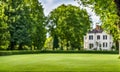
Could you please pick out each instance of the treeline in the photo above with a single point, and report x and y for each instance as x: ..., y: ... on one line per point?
x: 23, y: 26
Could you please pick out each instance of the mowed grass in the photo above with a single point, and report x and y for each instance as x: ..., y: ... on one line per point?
x: 60, y: 63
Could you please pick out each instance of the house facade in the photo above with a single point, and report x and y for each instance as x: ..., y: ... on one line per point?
x: 97, y: 39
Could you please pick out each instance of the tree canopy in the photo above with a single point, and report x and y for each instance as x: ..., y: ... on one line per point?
x: 4, y: 33
x: 109, y: 12
x: 23, y: 21
x: 68, y: 23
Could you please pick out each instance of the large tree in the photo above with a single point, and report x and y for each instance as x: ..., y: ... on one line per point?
x: 25, y: 20
x: 17, y: 13
x: 109, y: 12
x: 37, y: 29
x: 69, y: 23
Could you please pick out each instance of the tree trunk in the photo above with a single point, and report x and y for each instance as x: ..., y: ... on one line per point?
x: 119, y: 47
x: 67, y: 46
x: 20, y: 46
x: 61, y: 48
x: 117, y: 2
x: 79, y: 48
x: 11, y: 46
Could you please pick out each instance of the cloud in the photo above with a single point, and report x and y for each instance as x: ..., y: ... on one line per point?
x: 94, y: 17
x: 49, y: 5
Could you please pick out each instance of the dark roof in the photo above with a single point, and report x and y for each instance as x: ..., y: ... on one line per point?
x: 96, y: 31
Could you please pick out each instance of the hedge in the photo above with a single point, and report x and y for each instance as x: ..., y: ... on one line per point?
x: 3, y: 53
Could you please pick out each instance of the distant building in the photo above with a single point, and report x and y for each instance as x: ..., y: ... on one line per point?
x: 97, y: 39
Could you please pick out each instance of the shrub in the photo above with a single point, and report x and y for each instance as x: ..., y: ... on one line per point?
x: 16, y: 52
x: 119, y: 57
x: 3, y: 53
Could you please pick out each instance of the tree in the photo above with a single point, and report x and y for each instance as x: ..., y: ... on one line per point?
x: 38, y: 31
x: 4, y: 33
x: 25, y: 20
x: 109, y: 14
x: 17, y: 13
x: 48, y: 44
x: 69, y: 23
x: 55, y: 42
x: 117, y: 2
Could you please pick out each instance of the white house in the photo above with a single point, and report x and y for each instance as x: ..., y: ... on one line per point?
x: 97, y: 39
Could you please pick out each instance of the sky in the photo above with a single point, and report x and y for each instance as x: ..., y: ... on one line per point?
x: 49, y: 5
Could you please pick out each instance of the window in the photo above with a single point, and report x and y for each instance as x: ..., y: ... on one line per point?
x: 90, y: 37
x: 98, y: 37
x: 105, y: 44
x: 91, y: 45
x: 104, y: 37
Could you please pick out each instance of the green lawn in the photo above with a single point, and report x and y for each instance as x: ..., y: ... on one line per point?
x: 60, y: 62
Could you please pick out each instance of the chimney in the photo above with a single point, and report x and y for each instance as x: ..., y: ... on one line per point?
x: 97, y: 27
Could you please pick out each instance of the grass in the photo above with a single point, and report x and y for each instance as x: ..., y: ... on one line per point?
x: 60, y: 63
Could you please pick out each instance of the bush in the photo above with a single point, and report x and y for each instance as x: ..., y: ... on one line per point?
x: 3, y: 53
x: 119, y: 57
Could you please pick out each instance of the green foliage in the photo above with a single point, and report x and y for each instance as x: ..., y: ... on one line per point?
x: 119, y: 57
x: 4, y: 33
x: 69, y: 23
x: 55, y: 42
x: 38, y: 31
x: 48, y: 43
x: 24, y: 21
x: 15, y: 52
x: 108, y: 13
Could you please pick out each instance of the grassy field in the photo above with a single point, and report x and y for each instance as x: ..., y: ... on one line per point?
x: 60, y: 63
